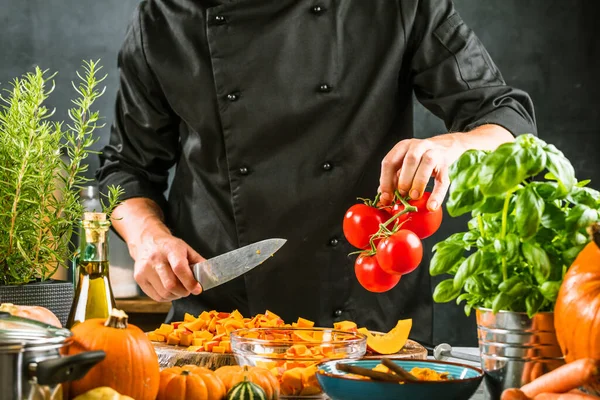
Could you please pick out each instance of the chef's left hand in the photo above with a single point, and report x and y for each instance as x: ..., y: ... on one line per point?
x: 412, y: 162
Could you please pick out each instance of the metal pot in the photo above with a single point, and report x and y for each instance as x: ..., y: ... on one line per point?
x: 516, y: 349
x: 32, y: 364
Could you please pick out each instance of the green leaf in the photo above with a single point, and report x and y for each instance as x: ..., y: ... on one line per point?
x: 560, y: 167
x: 463, y: 201
x: 583, y: 183
x: 508, y: 247
x: 529, y: 211
x: 503, y: 169
x: 571, y: 253
x: 445, y: 291
x: 514, y: 286
x: 533, y: 302
x: 466, y: 160
x: 553, y: 217
x: 548, y: 190
x: 501, y: 302
x: 468, y: 309
x: 580, y: 216
x: 584, y: 195
x: 536, y: 160
x: 447, y: 254
x: 468, y: 268
x: 491, y: 205
x: 550, y: 290
x: 539, y: 261
x: 473, y: 286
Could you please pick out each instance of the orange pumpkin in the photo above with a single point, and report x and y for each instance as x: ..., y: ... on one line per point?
x: 577, y: 310
x: 190, y: 382
x: 32, y: 312
x: 234, y: 374
x: 131, y: 365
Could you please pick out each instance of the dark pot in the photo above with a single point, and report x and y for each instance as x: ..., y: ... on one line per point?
x: 56, y: 296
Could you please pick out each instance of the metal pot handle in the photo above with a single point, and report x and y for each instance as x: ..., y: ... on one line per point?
x: 65, y: 369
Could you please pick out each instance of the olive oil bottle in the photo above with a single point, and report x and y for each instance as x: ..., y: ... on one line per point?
x: 93, y: 294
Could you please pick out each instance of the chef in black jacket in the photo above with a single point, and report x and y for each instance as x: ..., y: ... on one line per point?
x: 277, y: 115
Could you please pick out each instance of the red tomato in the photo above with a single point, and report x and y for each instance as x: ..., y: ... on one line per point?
x: 361, y: 222
x: 371, y: 276
x: 423, y: 222
x: 400, y: 253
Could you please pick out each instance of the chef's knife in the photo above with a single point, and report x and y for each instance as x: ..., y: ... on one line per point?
x: 220, y: 269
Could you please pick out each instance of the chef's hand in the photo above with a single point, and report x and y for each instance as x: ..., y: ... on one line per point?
x: 162, y: 261
x: 411, y: 163
x: 162, y: 266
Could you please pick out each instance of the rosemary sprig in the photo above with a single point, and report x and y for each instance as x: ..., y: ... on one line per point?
x: 42, y: 166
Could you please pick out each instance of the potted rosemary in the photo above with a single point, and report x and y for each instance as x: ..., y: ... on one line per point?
x: 41, y: 173
x: 529, y: 215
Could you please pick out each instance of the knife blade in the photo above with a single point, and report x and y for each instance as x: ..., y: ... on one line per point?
x: 225, y: 267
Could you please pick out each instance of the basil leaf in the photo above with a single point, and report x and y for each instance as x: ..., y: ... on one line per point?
x: 463, y: 297
x: 501, y: 302
x: 583, y: 183
x: 548, y: 190
x: 466, y: 160
x: 514, y: 286
x: 463, y: 201
x: 447, y: 253
x: 508, y: 247
x: 473, y: 286
x: 491, y: 205
x: 560, y: 167
x: 529, y: 211
x: 536, y: 159
x: 553, y: 217
x: 571, y: 253
x: 580, y: 216
x: 584, y: 195
x: 468, y: 268
x: 445, y: 291
x: 503, y: 169
x: 533, y: 302
x: 468, y: 309
x: 538, y: 259
x: 550, y: 290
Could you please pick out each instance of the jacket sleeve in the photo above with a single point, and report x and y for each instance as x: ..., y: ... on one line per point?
x: 454, y: 76
x: 144, y: 138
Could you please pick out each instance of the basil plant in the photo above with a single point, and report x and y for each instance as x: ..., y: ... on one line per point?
x: 529, y: 215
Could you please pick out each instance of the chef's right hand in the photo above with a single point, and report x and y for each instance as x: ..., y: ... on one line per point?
x: 162, y: 265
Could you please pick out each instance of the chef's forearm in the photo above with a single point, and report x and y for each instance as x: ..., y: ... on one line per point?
x: 136, y: 217
x: 484, y: 137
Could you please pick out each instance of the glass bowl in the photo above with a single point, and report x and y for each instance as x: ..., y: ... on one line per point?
x: 292, y: 354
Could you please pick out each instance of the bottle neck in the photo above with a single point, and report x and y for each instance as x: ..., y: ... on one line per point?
x: 93, y: 243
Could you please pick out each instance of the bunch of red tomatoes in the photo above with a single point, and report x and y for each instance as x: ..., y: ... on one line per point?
x: 389, y: 238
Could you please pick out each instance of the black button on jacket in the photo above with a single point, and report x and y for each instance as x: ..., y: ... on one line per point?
x: 277, y: 114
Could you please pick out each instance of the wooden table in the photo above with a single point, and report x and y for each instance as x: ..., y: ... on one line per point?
x: 144, y: 312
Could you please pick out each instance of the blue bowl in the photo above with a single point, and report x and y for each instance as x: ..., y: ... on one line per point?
x: 463, y: 383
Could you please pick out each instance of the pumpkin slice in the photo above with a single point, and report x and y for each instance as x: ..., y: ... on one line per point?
x: 391, y: 342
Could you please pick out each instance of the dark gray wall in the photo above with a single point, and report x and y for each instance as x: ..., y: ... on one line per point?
x: 547, y: 47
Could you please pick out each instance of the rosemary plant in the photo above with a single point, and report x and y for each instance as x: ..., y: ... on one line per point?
x: 39, y: 186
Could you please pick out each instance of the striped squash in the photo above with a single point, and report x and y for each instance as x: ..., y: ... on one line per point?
x: 246, y: 390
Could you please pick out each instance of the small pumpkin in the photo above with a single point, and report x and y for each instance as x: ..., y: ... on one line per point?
x: 102, y: 393
x: 131, y: 364
x: 231, y: 375
x: 246, y: 390
x: 190, y: 382
x: 577, y: 310
x: 37, y: 313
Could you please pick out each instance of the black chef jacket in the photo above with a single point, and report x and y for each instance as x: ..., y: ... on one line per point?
x: 277, y: 114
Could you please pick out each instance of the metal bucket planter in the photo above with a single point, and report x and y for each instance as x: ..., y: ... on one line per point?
x: 515, y: 349
x: 57, y: 296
